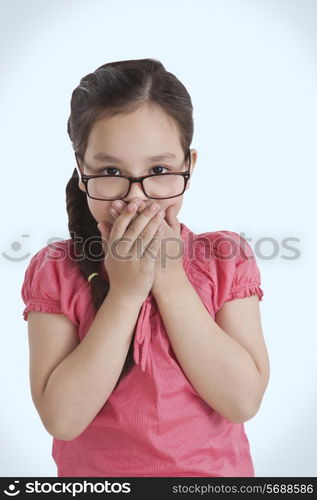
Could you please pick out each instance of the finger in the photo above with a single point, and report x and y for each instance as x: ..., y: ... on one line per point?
x: 105, y: 227
x: 121, y: 223
x: 114, y: 213
x: 119, y: 207
x: 155, y: 245
x: 101, y: 227
x: 144, y: 223
x: 116, y: 209
x: 144, y: 204
x: 105, y: 230
x: 149, y: 232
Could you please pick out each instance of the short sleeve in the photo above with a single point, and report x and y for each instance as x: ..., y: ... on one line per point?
x: 247, y: 277
x: 40, y: 290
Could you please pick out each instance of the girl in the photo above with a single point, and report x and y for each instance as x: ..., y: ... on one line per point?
x: 146, y: 348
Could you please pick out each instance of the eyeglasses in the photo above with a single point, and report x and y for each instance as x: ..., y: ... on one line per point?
x: 117, y: 187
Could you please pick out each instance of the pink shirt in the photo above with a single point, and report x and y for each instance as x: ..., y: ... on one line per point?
x: 154, y: 423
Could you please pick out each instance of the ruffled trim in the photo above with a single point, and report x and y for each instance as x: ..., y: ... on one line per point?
x: 245, y: 291
x: 142, y: 336
x: 41, y: 307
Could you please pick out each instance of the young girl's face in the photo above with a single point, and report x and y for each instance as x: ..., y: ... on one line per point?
x: 131, y: 139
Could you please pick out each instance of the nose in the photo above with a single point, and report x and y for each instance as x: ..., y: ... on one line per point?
x: 136, y: 191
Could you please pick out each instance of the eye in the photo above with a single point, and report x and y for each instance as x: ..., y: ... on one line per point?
x: 108, y: 169
x: 159, y: 166
x: 111, y: 170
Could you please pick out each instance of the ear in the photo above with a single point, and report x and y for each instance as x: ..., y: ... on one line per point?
x: 193, y: 160
x: 81, y: 185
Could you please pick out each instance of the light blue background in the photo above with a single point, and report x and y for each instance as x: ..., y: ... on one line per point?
x: 250, y: 68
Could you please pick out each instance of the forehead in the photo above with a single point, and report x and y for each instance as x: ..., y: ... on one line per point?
x: 142, y: 132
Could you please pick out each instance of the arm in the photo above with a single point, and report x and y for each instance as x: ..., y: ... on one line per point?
x: 71, y: 381
x: 229, y: 369
x: 80, y: 385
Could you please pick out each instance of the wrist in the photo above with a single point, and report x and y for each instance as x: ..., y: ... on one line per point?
x: 174, y: 283
x: 124, y: 299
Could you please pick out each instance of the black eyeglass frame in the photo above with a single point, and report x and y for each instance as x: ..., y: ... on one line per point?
x: 85, y: 178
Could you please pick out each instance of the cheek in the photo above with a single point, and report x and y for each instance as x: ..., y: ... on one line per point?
x: 176, y: 204
x: 99, y: 209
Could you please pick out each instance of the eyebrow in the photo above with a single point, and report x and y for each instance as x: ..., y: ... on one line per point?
x: 162, y: 156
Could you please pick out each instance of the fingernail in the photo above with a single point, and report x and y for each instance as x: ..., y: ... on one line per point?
x: 131, y: 206
x: 137, y: 202
x: 118, y: 204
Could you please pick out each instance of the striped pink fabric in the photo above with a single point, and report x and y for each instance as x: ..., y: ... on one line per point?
x: 154, y: 423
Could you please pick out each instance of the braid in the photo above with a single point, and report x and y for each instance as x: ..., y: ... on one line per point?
x: 83, y: 230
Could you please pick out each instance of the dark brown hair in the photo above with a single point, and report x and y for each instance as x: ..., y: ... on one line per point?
x: 113, y: 88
